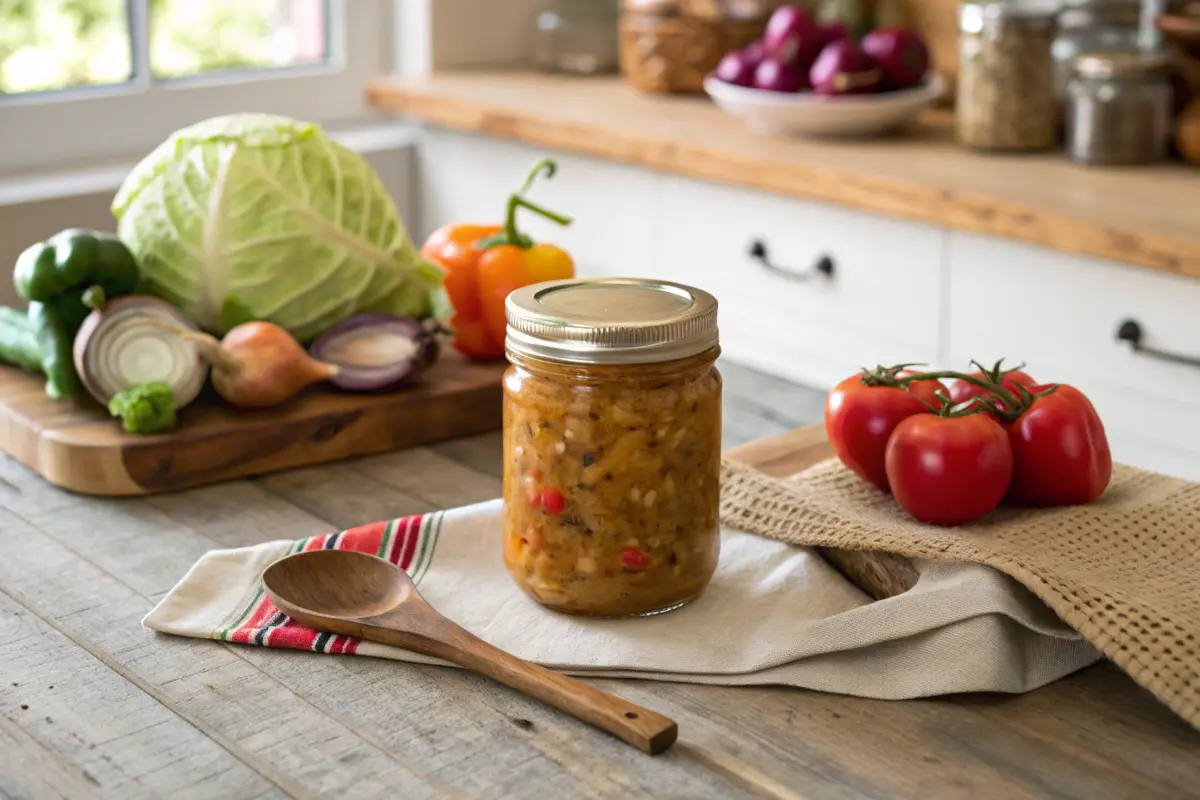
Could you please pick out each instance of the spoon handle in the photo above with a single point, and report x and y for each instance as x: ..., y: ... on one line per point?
x: 640, y: 727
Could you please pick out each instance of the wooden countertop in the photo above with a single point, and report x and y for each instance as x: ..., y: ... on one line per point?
x: 93, y: 704
x: 1143, y: 216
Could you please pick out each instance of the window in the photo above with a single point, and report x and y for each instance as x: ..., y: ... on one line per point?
x: 94, y: 80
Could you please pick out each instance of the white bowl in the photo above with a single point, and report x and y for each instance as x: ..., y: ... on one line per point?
x: 812, y: 114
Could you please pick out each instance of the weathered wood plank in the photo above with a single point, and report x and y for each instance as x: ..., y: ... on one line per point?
x: 253, y: 716
x: 480, y: 453
x: 1092, y: 735
x: 458, y: 729
x: 72, y: 727
x: 431, y: 477
x: 335, y: 726
x: 772, y: 398
x: 342, y: 495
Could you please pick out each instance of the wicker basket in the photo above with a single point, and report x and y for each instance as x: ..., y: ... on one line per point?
x: 665, y: 50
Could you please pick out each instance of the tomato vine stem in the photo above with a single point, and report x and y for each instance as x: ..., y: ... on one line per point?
x: 1000, y: 400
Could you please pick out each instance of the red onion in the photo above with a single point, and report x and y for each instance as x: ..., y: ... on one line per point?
x: 735, y: 68
x: 900, y: 53
x: 843, y: 68
x: 832, y: 32
x: 376, y: 351
x: 778, y: 76
x: 792, y: 36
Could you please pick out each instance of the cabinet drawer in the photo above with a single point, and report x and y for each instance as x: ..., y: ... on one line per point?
x: 1060, y: 314
x: 880, y: 304
x: 469, y: 178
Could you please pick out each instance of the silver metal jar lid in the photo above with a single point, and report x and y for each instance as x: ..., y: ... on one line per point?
x: 610, y: 321
x: 1123, y: 64
x: 1035, y: 16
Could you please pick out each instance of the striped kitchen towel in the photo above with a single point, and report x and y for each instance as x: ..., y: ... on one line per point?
x: 774, y: 614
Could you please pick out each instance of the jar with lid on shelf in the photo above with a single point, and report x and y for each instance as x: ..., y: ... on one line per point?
x: 578, y: 37
x: 612, y: 445
x: 1119, y: 108
x: 1007, y: 95
x: 1094, y: 26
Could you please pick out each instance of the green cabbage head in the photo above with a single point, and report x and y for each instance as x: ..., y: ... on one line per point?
x: 258, y: 217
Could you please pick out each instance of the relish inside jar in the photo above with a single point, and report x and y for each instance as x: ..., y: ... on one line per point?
x: 612, y: 445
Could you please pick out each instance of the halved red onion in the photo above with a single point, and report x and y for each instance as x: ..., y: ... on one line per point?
x: 125, y: 343
x: 376, y: 351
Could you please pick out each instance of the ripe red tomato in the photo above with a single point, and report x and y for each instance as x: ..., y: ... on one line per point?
x: 949, y: 470
x: 860, y: 418
x: 1060, y: 451
x: 961, y: 391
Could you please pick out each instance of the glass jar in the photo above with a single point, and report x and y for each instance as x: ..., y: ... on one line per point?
x: 1007, y: 97
x: 1119, y: 108
x: 1094, y: 26
x: 577, y: 37
x: 612, y: 445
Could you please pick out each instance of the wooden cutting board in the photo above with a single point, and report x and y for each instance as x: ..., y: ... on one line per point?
x: 78, y: 446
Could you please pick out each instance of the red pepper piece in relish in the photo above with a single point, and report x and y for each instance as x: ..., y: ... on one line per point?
x: 553, y: 502
x: 634, y: 559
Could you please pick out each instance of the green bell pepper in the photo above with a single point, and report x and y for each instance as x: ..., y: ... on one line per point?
x: 77, y: 258
x: 63, y: 278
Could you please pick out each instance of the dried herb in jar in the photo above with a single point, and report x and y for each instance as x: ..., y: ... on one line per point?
x: 1119, y: 108
x: 1008, y: 96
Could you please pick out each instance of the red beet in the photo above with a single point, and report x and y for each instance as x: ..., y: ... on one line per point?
x: 900, y: 53
x: 735, y: 68
x: 778, y: 76
x: 792, y: 35
x: 843, y: 68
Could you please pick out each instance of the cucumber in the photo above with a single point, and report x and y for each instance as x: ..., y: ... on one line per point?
x: 18, y: 340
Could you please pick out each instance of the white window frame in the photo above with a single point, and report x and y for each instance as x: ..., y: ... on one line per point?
x: 89, y: 125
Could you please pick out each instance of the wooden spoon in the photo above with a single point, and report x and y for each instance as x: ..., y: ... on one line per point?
x: 360, y: 595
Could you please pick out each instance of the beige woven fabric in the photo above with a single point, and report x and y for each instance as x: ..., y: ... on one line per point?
x: 1123, y: 571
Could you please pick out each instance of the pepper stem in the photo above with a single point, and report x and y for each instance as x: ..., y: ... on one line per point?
x: 511, y: 234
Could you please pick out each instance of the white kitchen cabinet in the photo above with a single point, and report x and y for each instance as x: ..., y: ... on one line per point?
x: 469, y: 179
x: 899, y: 291
x: 880, y: 303
x: 1060, y: 313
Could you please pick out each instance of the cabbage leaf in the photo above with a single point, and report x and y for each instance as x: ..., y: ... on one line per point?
x: 254, y: 216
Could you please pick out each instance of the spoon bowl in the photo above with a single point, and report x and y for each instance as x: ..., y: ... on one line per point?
x: 361, y: 595
x: 366, y: 585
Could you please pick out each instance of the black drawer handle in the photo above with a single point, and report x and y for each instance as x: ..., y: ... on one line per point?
x: 824, y: 267
x: 1131, y: 331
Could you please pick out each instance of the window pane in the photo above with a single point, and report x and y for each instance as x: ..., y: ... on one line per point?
x: 59, y: 44
x: 188, y: 37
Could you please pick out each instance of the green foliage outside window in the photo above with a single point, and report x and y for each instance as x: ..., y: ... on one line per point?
x: 57, y: 44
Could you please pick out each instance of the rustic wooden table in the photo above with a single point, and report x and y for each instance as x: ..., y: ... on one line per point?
x: 94, y: 705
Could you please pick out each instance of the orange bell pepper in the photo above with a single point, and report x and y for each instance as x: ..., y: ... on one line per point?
x: 485, y: 263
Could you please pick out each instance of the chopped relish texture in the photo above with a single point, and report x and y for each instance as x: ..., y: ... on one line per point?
x: 611, y: 484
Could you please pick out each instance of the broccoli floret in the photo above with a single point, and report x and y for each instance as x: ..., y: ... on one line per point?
x: 144, y: 407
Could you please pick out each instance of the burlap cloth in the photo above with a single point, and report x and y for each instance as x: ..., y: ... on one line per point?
x: 1123, y: 571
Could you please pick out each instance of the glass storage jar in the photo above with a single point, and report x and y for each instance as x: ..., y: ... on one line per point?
x: 1094, y: 26
x: 1119, y: 108
x: 577, y: 37
x: 1007, y: 97
x: 612, y: 445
